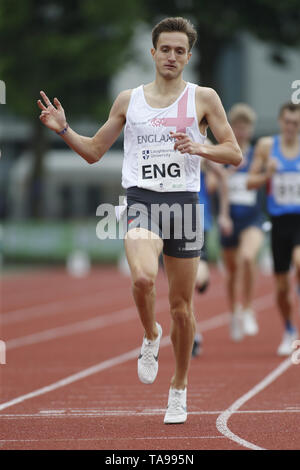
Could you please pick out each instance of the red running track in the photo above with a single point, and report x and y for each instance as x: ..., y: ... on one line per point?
x: 70, y: 381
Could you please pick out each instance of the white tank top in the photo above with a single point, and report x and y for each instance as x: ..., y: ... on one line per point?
x: 150, y: 161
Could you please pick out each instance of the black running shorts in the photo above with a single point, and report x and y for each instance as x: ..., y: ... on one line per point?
x: 285, y: 237
x: 176, y: 217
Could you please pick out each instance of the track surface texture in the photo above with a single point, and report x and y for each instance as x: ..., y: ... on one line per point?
x: 70, y: 381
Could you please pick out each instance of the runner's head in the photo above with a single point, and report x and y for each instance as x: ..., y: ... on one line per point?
x: 289, y: 120
x: 173, y: 39
x: 242, y: 120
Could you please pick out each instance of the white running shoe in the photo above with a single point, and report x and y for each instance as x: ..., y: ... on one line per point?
x: 236, y: 327
x: 148, y: 358
x: 176, y: 411
x: 285, y: 348
x: 250, y: 323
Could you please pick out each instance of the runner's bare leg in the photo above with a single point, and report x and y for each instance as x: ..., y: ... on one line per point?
x: 283, y: 295
x: 250, y: 243
x: 232, y: 270
x: 182, y: 273
x: 142, y: 250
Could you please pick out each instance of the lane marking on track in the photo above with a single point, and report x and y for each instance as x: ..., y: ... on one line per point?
x: 120, y: 316
x: 110, y: 439
x: 56, y: 286
x: 218, y: 320
x: 133, y: 354
x: 101, y: 321
x: 222, y: 420
x: 57, y: 307
x: 124, y: 413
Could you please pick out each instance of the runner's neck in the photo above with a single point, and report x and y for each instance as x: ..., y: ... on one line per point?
x: 290, y: 148
x: 163, y: 91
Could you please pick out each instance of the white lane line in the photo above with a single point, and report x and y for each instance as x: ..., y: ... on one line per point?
x: 94, y: 323
x: 180, y: 437
x: 111, y: 438
x: 57, y: 307
x: 95, y: 369
x: 222, y: 420
x: 204, y: 326
x: 123, y: 413
x: 73, y: 378
x: 120, y: 316
x: 28, y: 292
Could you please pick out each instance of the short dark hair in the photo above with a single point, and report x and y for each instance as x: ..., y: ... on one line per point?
x: 178, y: 24
x: 289, y: 106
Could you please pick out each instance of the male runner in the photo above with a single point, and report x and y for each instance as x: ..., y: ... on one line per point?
x: 277, y: 163
x: 165, y: 124
x: 241, y: 247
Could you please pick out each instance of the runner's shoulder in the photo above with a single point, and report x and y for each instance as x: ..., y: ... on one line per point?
x: 122, y: 100
x: 206, y: 93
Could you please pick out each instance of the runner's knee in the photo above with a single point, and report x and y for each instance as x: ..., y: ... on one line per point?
x: 247, y: 258
x: 181, y: 311
x: 282, y: 287
x: 143, y: 282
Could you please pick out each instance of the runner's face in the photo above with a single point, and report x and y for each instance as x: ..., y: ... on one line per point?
x: 243, y: 130
x: 171, y: 54
x: 289, y: 123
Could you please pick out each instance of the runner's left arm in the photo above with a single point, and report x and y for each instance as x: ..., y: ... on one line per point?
x: 263, y: 166
x: 227, y: 150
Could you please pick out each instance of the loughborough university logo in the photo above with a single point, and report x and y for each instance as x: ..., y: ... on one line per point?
x: 146, y: 154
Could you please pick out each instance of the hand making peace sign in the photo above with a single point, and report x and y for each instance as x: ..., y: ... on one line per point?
x: 52, y: 116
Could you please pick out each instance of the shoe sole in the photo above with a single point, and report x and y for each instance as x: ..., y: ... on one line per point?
x: 147, y: 382
x: 237, y: 339
x: 175, y: 421
x: 252, y: 331
x: 280, y: 354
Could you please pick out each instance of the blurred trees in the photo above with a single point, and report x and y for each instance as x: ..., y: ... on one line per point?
x: 69, y: 49
x: 218, y: 23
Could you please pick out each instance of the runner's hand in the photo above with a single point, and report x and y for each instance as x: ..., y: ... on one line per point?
x: 271, y: 167
x: 184, y: 144
x: 225, y: 224
x: 52, y: 116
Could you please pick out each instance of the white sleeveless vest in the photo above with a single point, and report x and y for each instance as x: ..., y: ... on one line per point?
x: 150, y: 161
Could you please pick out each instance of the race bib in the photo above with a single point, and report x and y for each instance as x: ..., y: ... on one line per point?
x: 286, y: 188
x: 238, y: 192
x: 161, y: 169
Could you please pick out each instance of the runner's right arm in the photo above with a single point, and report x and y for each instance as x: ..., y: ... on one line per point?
x: 89, y: 148
x: 263, y: 166
x: 224, y: 219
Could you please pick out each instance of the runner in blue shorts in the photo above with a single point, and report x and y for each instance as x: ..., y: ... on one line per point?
x: 277, y: 164
x: 240, y: 249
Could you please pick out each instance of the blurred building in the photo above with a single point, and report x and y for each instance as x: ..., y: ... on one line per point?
x: 71, y: 187
x: 250, y: 75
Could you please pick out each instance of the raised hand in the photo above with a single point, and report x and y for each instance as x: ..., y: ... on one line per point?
x: 52, y: 116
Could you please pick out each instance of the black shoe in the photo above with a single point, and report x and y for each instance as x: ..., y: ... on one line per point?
x: 197, y: 346
x: 202, y: 289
